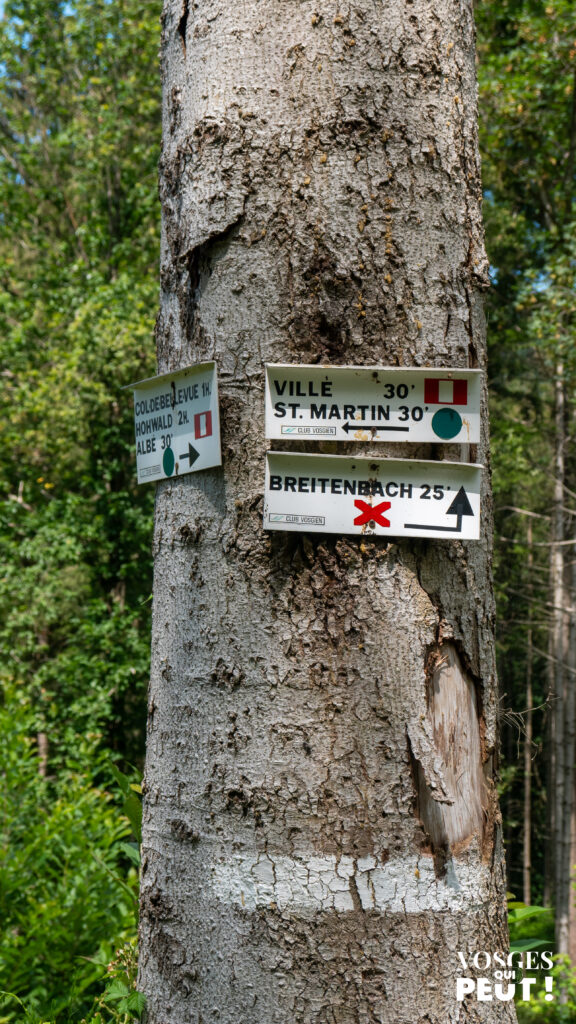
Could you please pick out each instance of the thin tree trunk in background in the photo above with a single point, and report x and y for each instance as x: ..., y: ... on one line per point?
x: 321, y: 830
x: 570, y: 805
x: 572, y: 910
x: 549, y: 850
x: 568, y: 809
x: 527, y: 838
x: 549, y: 896
x: 570, y: 812
x: 43, y: 749
x: 559, y: 642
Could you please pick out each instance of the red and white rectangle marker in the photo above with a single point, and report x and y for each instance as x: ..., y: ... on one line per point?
x: 176, y: 423
x: 445, y: 391
x: 372, y: 403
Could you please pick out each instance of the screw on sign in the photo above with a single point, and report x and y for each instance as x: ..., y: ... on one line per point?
x: 372, y: 514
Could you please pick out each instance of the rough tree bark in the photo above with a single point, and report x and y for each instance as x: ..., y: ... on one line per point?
x: 321, y: 831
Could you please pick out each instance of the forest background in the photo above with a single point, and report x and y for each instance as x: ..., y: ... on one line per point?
x: 79, y: 248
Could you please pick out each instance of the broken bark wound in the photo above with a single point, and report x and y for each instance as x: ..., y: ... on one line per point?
x: 453, y: 717
x: 183, y: 23
x: 197, y: 264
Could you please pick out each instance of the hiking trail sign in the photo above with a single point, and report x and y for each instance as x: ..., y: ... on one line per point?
x: 378, y: 497
x: 363, y: 403
x: 176, y: 422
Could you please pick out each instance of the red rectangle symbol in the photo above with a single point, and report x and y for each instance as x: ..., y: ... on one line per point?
x: 444, y: 391
x: 203, y: 424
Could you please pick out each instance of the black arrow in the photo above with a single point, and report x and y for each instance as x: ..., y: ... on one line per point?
x: 191, y: 454
x: 371, y: 426
x: 460, y: 507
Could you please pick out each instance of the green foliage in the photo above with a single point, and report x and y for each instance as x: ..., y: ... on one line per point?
x: 120, y: 1002
x: 68, y: 893
x: 132, y: 806
x: 531, y: 927
x: 527, y: 58
x: 528, y: 138
x: 79, y: 90
x: 79, y: 143
x: 562, y: 1008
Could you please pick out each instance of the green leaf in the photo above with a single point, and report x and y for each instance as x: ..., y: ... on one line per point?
x: 526, y: 945
x: 136, y: 1003
x: 123, y: 781
x: 524, y: 912
x: 132, y: 808
x: 132, y: 852
x: 117, y: 989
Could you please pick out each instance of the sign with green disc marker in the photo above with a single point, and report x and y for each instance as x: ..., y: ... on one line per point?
x: 177, y: 423
x: 372, y: 403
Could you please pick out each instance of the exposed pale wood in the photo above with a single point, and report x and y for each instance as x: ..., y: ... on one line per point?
x: 453, y: 714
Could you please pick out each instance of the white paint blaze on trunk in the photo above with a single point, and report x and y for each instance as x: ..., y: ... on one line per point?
x: 321, y: 833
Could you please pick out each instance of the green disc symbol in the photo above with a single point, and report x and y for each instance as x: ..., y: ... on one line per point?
x: 446, y: 423
x: 168, y: 461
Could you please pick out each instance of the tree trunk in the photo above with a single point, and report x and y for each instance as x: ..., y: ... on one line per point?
x: 321, y: 832
x: 564, y: 914
x: 562, y: 788
x: 569, y: 864
x: 527, y: 835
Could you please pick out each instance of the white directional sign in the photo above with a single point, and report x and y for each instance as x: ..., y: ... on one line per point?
x: 176, y: 423
x: 347, y: 403
x: 380, y: 497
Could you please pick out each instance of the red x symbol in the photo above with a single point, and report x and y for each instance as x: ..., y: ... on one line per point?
x: 369, y: 513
